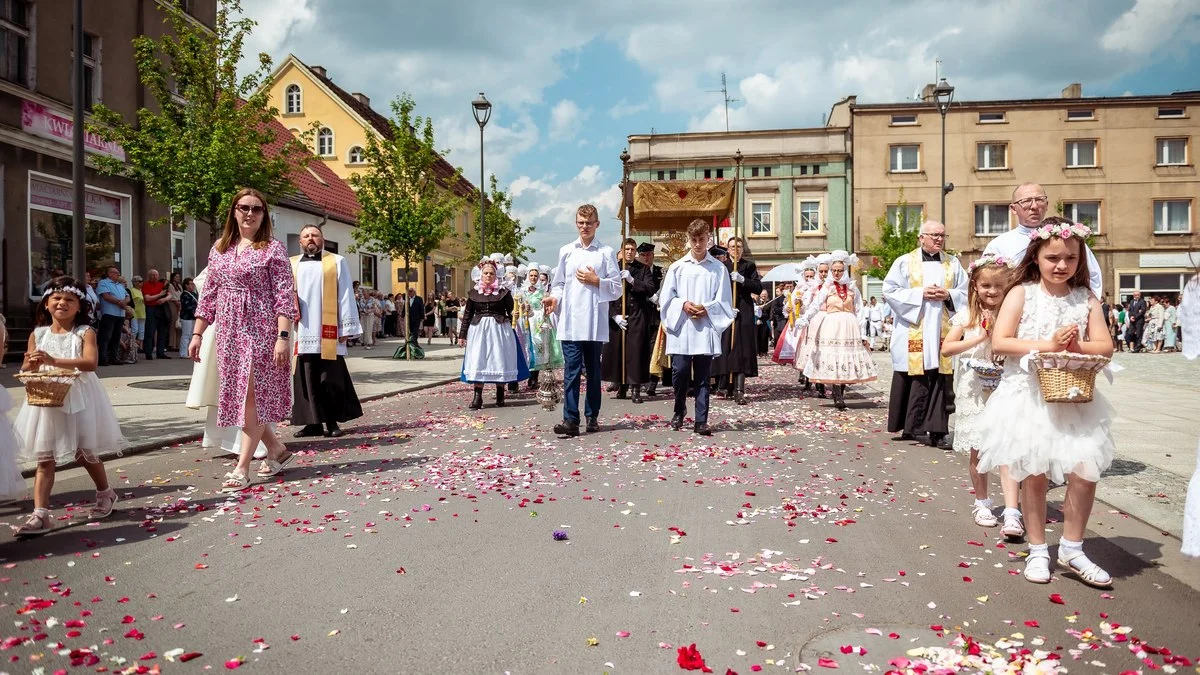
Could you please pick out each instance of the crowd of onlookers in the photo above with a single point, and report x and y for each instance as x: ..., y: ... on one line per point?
x: 396, y: 315
x: 142, y: 317
x: 1142, y: 325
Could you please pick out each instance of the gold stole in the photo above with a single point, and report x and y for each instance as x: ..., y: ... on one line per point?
x: 329, y: 303
x: 916, y: 338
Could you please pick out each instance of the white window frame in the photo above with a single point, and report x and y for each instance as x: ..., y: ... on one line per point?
x: 987, y: 228
x: 983, y: 155
x: 368, y: 261
x: 1000, y: 120
x: 29, y: 33
x: 350, y: 155
x: 1172, y: 113
x: 904, y: 122
x: 893, y: 214
x: 1071, y: 212
x: 892, y: 157
x: 800, y: 217
x: 1071, y: 156
x: 1161, y: 210
x: 1161, y: 147
x: 1077, y: 115
x: 287, y: 99
x: 755, y: 222
x: 321, y: 136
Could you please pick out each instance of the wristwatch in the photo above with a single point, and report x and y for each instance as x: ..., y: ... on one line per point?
x: 283, y: 335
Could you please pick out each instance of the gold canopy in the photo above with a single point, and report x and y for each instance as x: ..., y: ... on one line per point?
x: 668, y: 206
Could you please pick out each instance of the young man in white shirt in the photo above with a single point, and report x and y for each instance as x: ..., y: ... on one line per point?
x: 586, y: 279
x: 697, y: 306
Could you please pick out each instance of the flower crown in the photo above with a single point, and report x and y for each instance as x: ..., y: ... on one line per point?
x: 63, y: 289
x: 991, y: 259
x: 1062, y: 230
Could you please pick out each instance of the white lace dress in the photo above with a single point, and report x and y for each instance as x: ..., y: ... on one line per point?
x: 969, y: 394
x: 85, y: 424
x: 12, y: 484
x: 1028, y: 435
x: 1189, y: 320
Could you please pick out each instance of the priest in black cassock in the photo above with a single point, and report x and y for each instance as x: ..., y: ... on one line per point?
x: 625, y: 360
x: 739, y: 353
x: 323, y: 395
x: 645, y: 255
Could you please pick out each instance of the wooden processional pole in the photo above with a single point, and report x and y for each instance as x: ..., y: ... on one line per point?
x: 737, y: 219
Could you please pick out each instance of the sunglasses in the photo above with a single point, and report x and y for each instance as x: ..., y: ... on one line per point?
x: 246, y: 209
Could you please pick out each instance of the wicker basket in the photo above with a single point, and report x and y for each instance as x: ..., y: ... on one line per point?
x: 988, y: 373
x: 1067, y: 377
x: 47, y: 389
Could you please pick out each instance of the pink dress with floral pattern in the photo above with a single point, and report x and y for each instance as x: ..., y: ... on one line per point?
x: 243, y: 295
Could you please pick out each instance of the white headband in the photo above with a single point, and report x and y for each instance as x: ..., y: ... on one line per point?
x: 64, y: 289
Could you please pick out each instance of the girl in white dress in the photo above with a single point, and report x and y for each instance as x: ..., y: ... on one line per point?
x: 12, y: 484
x: 85, y: 427
x: 970, y: 338
x: 1189, y: 321
x: 1049, y: 308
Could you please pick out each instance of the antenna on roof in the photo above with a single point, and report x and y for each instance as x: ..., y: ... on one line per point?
x: 724, y: 92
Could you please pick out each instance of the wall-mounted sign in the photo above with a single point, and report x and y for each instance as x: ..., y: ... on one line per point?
x: 41, y: 121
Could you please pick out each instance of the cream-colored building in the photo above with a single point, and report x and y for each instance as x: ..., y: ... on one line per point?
x: 307, y: 95
x: 1125, y: 165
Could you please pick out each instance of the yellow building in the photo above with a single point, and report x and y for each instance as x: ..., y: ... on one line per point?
x: 307, y: 95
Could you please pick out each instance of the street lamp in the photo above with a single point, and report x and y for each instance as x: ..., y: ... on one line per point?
x: 482, y: 108
x: 943, y: 94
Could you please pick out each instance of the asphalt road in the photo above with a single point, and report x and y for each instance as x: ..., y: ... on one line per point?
x: 423, y: 543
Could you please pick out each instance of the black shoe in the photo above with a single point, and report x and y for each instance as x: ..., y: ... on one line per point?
x: 702, y: 429
x: 163, y: 356
x: 622, y: 391
x: 149, y: 357
x: 565, y: 428
x: 309, y: 430
x: 637, y: 394
x: 904, y: 437
x: 477, y: 401
x: 611, y: 387
x: 593, y: 425
x: 821, y: 390
x: 940, y: 441
x: 334, y: 431
x: 513, y: 387
x: 740, y: 397
x: 652, y: 390
x: 499, y: 396
x: 677, y: 422
x: 739, y: 393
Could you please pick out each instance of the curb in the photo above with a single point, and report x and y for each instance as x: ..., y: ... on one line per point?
x: 149, y: 445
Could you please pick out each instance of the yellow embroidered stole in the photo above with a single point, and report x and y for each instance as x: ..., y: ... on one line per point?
x: 916, y: 337
x: 329, y: 303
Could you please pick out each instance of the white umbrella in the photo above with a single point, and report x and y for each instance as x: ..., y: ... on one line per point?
x: 784, y: 272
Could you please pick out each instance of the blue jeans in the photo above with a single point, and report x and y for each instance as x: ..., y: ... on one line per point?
x: 685, y: 370
x: 578, y: 357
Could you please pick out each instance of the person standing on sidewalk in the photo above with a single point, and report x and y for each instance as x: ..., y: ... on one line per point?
x: 585, y: 280
x: 157, y: 316
x: 138, y: 325
x: 112, y: 316
x: 188, y: 299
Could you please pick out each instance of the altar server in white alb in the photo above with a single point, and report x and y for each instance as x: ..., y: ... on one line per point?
x: 696, y: 308
x: 323, y: 392
x: 924, y: 288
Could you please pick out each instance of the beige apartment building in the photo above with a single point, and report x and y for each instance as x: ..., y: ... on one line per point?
x: 1124, y: 165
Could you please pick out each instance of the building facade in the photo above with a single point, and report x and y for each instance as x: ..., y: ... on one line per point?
x: 307, y: 96
x: 1123, y: 165
x: 795, y: 188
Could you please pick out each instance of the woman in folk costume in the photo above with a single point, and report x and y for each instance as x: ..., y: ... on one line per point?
x: 492, y: 355
x: 808, y: 332
x: 521, y: 314
x: 840, y: 354
x: 789, y: 340
x: 544, y: 348
x: 739, y: 348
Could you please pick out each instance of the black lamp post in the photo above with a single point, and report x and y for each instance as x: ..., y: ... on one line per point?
x: 482, y: 108
x: 943, y: 94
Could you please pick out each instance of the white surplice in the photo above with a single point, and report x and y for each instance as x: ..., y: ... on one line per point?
x: 705, y: 283
x: 310, y: 285
x: 910, y: 306
x: 1015, y: 242
x: 582, y: 312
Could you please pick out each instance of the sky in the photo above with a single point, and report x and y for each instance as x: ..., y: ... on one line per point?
x: 569, y: 81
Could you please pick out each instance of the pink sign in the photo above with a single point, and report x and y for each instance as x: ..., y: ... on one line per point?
x: 56, y: 196
x: 39, y: 120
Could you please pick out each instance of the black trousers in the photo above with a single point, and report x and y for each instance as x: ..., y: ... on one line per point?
x: 110, y: 338
x: 158, y: 330
x: 689, y: 369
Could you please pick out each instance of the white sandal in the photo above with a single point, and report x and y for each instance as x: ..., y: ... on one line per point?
x: 235, y: 482
x: 1088, y: 572
x: 1037, y: 568
x: 103, y: 507
x: 1013, y: 529
x: 984, y: 516
x: 36, y: 523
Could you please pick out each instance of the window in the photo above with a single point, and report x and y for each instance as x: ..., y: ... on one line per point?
x: 1081, y: 154
x: 707, y: 174
x: 903, y: 120
x: 816, y: 169
x: 292, y: 100
x: 767, y: 171
x: 905, y: 158
x: 991, y: 156
x: 662, y: 175
x: 1172, y: 216
x: 671, y: 174
x: 91, y: 70
x: 760, y: 214
x: 905, y: 218
x: 1171, y: 151
x: 991, y: 219
x: 1085, y: 114
x: 803, y: 169
x: 1087, y: 213
x: 366, y: 263
x: 720, y: 174
x: 810, y: 217
x: 991, y: 118
x: 754, y: 172
x: 14, y: 41
x: 1167, y: 113
x: 325, y: 142
x: 355, y: 156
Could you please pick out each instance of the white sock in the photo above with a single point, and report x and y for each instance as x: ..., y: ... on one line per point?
x: 985, y: 503
x: 1015, y: 513
x: 1067, y: 546
x: 1039, y: 550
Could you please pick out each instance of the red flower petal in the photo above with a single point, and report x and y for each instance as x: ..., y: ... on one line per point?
x: 189, y: 656
x: 1057, y: 599
x: 827, y: 662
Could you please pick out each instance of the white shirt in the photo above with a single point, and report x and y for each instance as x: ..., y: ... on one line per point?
x: 701, y: 282
x: 910, y: 306
x: 876, y: 312
x: 582, y: 311
x: 310, y: 285
x: 1015, y: 242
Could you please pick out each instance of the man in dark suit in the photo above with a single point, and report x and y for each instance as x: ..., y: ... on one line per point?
x: 416, y: 314
x: 1137, y: 321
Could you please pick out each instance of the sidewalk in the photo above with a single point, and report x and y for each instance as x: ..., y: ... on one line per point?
x: 149, y: 395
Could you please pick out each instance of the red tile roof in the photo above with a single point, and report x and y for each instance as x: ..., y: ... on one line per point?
x: 325, y: 189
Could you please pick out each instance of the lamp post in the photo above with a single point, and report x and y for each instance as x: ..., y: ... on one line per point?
x: 482, y: 109
x: 943, y: 94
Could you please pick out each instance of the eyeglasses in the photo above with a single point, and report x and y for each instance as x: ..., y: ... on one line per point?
x: 939, y: 237
x: 1028, y: 201
x: 246, y: 209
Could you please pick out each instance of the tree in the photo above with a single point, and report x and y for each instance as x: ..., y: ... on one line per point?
x: 206, y: 137
x: 896, y: 237
x: 406, y: 211
x: 504, y: 232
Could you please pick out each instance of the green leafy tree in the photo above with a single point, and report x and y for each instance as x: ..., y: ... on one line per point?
x: 204, y: 140
x: 504, y: 232
x: 406, y: 211
x: 897, y: 237
x: 1060, y: 210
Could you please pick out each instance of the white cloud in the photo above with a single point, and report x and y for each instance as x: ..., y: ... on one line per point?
x: 566, y: 119
x: 1151, y: 24
x: 624, y: 108
x: 502, y: 145
x: 549, y: 206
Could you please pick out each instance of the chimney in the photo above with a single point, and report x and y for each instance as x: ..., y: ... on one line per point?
x: 1073, y: 90
x: 927, y: 93
x: 320, y: 70
x: 362, y: 98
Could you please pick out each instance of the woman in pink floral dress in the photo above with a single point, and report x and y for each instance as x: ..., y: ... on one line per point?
x: 250, y: 295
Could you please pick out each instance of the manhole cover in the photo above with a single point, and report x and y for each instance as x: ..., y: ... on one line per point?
x: 173, y: 384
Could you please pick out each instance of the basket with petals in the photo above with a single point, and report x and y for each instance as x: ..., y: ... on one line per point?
x: 1067, y: 377
x: 47, y: 388
x: 988, y: 373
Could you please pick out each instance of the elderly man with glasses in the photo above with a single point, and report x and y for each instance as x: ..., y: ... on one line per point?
x: 923, y: 288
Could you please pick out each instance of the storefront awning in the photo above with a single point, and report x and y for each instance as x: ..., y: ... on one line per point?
x: 668, y: 206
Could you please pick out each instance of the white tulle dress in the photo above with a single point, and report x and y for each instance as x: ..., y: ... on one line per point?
x: 85, y: 424
x: 969, y: 394
x: 1029, y: 436
x: 1189, y: 320
x: 12, y: 484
